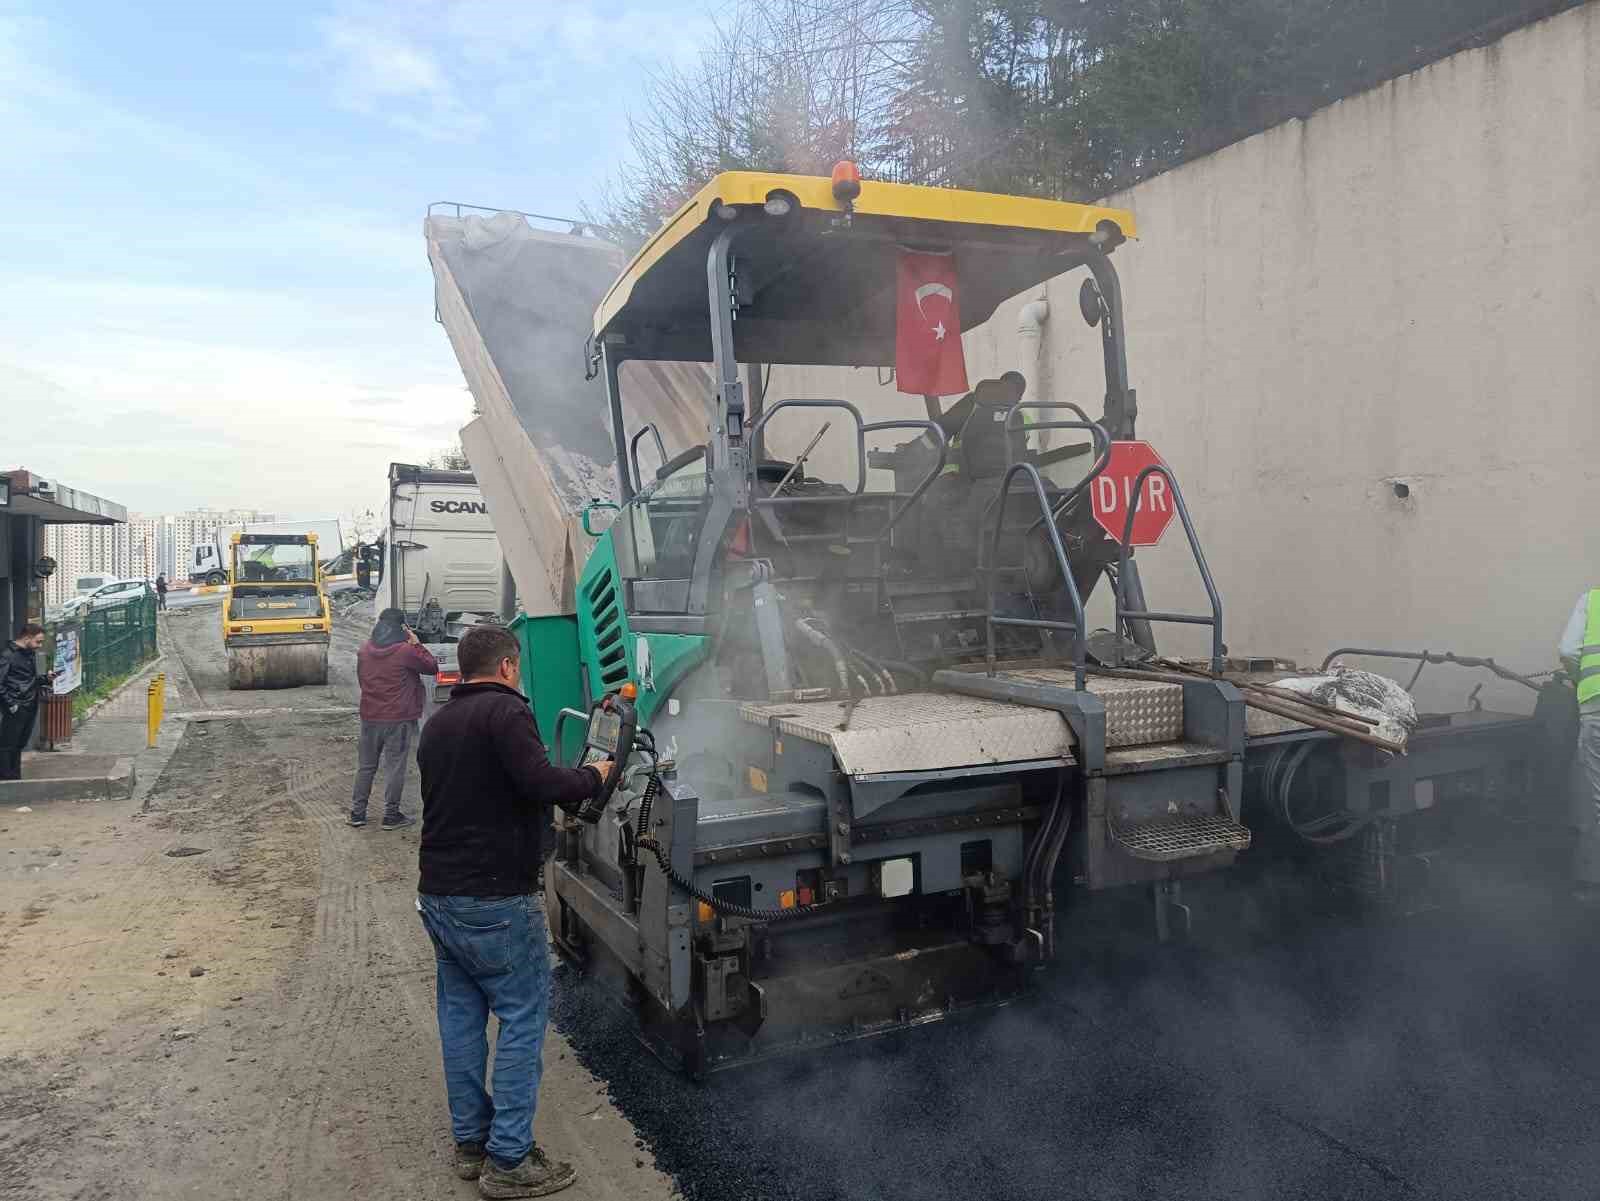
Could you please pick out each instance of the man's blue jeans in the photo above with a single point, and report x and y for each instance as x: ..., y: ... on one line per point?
x: 491, y: 954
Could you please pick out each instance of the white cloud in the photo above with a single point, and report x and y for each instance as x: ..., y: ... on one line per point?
x: 382, y: 72
x: 447, y: 69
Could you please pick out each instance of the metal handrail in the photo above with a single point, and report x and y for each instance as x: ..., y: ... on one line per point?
x: 649, y: 427
x: 1423, y: 658
x: 457, y: 207
x: 1097, y: 436
x: 561, y: 718
x: 1125, y: 614
x: 1079, y: 643
x: 861, y: 436
x: 940, y: 442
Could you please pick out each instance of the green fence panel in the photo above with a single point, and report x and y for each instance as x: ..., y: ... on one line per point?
x: 117, y: 640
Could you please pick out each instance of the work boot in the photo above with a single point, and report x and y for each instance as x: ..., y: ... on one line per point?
x: 398, y: 822
x: 469, y: 1160
x: 536, y: 1176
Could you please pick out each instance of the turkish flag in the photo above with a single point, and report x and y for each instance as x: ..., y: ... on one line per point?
x: 927, y: 327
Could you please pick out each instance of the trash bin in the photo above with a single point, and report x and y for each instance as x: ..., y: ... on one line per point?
x: 55, y: 724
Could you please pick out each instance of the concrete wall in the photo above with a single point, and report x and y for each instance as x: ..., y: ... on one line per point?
x: 1400, y: 289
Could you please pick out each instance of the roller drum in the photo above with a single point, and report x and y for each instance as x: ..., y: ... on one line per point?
x: 279, y: 666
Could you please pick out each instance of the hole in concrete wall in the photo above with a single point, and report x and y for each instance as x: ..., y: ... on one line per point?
x: 1402, y: 490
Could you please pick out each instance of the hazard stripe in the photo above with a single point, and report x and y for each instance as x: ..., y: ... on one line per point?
x: 1590, y: 650
x: 1589, y: 672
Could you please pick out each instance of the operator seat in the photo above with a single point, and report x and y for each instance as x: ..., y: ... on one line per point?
x: 986, y: 447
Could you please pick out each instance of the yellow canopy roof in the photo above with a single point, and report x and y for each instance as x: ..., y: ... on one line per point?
x: 815, y: 288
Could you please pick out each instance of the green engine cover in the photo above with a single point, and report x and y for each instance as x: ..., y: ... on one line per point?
x: 570, y: 660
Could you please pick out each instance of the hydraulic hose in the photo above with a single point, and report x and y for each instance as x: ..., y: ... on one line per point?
x: 1281, y: 772
x: 642, y: 840
x: 817, y: 638
x: 728, y: 908
x: 875, y: 673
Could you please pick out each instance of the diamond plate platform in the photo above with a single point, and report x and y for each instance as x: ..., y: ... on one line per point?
x: 1138, y: 712
x: 1172, y: 838
x: 919, y: 731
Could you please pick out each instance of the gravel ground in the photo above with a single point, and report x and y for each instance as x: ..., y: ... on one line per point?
x: 224, y: 991
x: 1450, y: 1055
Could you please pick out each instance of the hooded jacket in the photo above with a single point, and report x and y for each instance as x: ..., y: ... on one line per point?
x: 487, y: 790
x: 391, y: 680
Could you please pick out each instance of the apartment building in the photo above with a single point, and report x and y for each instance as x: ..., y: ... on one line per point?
x: 149, y: 545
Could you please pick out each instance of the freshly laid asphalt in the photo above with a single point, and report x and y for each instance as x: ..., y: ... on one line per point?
x: 1292, y: 1049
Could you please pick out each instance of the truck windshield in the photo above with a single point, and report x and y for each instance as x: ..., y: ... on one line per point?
x: 277, y: 561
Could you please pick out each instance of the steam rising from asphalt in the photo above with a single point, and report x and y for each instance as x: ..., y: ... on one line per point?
x: 1297, y: 1049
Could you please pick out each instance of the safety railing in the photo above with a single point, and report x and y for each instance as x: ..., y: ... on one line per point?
x: 863, y: 429
x: 1098, y: 439
x: 1079, y: 643
x: 648, y: 427
x: 1423, y: 658
x: 1125, y: 615
x: 116, y: 640
x: 456, y: 208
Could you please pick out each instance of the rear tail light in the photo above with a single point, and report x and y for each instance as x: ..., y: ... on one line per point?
x: 449, y: 677
x: 804, y: 895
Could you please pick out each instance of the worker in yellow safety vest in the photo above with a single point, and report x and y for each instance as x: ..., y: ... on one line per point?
x: 1580, y: 655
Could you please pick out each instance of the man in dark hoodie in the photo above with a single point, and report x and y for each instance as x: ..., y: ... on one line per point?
x: 487, y: 790
x: 389, y: 667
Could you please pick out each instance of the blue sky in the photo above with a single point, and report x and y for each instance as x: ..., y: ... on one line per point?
x: 217, y: 287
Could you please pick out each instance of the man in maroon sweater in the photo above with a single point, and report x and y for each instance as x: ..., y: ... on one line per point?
x: 389, y: 667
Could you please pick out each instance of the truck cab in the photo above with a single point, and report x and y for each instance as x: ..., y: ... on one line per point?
x: 444, y: 569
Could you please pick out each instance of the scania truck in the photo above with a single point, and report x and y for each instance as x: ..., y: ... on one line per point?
x: 442, y: 567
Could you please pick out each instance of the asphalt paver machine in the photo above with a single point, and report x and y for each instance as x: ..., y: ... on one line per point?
x: 863, y: 743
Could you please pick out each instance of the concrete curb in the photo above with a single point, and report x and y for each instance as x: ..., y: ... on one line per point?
x: 116, y: 785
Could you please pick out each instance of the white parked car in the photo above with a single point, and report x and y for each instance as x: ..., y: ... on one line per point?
x: 114, y: 593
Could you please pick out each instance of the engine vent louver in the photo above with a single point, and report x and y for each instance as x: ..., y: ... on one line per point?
x: 605, y: 616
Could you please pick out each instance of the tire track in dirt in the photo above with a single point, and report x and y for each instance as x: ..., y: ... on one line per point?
x: 327, y: 998
x: 338, y: 1010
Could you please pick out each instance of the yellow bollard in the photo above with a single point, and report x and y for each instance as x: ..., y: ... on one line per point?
x: 155, y: 706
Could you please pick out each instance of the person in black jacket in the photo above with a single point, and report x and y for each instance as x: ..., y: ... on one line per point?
x: 21, y: 686
x: 487, y: 790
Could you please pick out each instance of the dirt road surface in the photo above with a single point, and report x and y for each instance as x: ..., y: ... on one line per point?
x: 222, y: 990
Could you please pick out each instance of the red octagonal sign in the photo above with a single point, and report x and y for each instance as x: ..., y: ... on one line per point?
x: 1111, y: 494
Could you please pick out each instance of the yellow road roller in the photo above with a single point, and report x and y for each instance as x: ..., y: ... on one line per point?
x: 276, y: 623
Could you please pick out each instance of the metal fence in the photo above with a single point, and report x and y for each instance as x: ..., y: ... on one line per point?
x: 116, y: 640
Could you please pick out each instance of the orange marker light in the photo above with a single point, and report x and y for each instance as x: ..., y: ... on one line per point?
x: 786, y: 898
x: 846, y: 181
x: 705, y: 913
x: 629, y: 691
